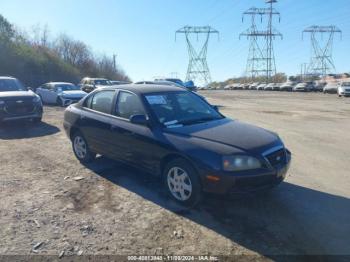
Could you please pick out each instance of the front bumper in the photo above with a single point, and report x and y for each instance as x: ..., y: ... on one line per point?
x: 344, y: 93
x: 5, y: 117
x: 246, y: 181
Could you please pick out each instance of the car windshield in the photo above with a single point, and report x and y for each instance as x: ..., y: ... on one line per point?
x: 67, y: 87
x: 346, y: 84
x: 181, y: 108
x: 102, y: 82
x: 7, y: 85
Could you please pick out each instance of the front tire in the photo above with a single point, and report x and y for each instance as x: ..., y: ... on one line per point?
x: 37, y: 120
x: 182, y: 182
x: 81, y: 149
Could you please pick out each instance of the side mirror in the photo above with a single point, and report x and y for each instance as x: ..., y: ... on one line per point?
x: 30, y: 88
x: 216, y: 108
x: 139, y: 119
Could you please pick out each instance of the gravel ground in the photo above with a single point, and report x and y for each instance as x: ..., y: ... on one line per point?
x: 51, y: 204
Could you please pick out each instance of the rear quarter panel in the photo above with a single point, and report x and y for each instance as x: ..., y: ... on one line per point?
x: 71, y: 117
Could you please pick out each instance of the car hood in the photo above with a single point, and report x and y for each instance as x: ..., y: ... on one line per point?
x: 227, y: 132
x: 101, y: 86
x: 74, y: 93
x: 17, y: 95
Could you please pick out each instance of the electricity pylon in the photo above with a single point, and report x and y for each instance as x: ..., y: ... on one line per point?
x: 261, y: 58
x: 256, y: 62
x: 321, y: 62
x: 198, y: 70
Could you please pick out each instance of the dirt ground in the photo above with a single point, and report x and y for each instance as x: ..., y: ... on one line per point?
x: 51, y: 204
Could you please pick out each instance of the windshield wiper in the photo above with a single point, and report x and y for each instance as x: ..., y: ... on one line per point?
x: 199, y: 120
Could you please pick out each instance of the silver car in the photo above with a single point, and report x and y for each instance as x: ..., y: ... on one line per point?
x: 288, y: 86
x: 261, y: 87
x: 331, y: 88
x: 303, y: 87
x: 269, y: 87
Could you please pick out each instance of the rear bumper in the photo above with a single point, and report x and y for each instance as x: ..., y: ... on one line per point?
x: 248, y: 181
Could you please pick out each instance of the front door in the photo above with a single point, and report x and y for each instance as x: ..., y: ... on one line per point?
x: 135, y: 144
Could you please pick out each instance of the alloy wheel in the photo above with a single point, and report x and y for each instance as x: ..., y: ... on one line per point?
x: 80, y: 147
x: 179, y: 183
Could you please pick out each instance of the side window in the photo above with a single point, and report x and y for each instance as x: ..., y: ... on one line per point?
x: 87, y: 102
x: 101, y: 101
x: 128, y: 105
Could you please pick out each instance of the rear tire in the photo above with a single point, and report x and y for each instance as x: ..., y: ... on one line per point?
x: 81, y: 149
x: 182, y: 182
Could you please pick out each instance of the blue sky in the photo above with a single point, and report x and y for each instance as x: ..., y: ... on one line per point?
x: 141, y: 32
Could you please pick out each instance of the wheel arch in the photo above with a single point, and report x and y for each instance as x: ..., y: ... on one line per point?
x: 172, y: 156
x: 73, y: 130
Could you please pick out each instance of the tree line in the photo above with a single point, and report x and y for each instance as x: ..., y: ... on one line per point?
x: 36, y: 58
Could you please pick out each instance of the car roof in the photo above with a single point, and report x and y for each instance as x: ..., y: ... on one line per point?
x: 60, y: 83
x: 146, y: 88
x: 94, y: 78
x: 7, y: 77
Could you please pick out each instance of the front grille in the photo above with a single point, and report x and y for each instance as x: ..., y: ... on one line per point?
x: 254, y: 183
x: 277, y: 158
x: 14, y: 108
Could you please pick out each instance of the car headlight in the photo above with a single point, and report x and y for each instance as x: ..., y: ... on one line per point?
x: 240, y: 162
x: 36, y: 99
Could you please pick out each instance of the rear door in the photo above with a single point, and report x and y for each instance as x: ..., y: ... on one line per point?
x: 95, y: 121
x: 51, y: 94
x: 44, y: 93
x: 41, y: 92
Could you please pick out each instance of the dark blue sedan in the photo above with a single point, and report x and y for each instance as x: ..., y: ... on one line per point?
x: 176, y: 135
